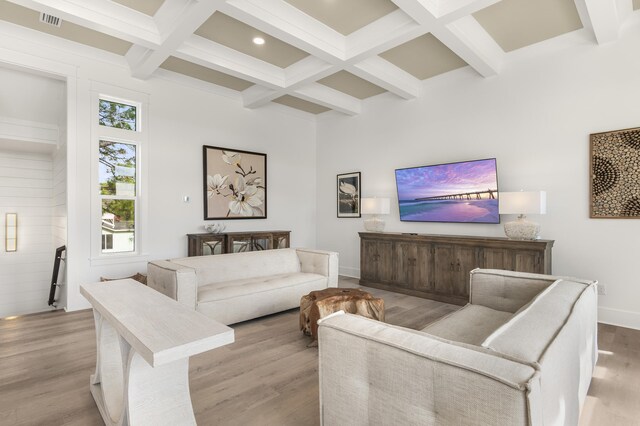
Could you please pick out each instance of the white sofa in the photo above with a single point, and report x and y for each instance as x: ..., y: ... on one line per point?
x: 240, y: 286
x: 522, y: 352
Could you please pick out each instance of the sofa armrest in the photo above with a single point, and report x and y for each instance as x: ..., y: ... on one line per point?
x: 173, y: 280
x: 374, y: 373
x: 320, y: 262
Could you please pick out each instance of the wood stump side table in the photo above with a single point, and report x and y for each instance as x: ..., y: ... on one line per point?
x: 318, y: 304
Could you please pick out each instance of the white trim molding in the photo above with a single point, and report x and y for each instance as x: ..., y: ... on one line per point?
x: 619, y: 317
x: 29, y: 131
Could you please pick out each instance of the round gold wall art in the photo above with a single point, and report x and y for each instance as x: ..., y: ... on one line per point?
x: 615, y: 174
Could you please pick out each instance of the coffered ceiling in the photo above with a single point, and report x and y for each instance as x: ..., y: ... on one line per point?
x: 318, y: 55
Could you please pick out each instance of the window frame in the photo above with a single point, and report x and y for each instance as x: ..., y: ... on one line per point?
x: 105, y: 242
x: 138, y: 138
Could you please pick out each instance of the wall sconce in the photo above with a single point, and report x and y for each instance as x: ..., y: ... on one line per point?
x: 11, y: 232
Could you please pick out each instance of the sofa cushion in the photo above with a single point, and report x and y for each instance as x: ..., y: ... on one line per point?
x: 528, y: 334
x: 238, y: 266
x: 471, y: 324
x: 253, y: 305
x: 243, y: 287
x: 498, y: 290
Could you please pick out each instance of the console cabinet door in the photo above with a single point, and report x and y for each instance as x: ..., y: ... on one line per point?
x: 412, y: 266
x: 377, y: 261
x: 280, y: 240
x: 528, y: 261
x: 444, y: 273
x: 452, y: 266
x: 497, y: 258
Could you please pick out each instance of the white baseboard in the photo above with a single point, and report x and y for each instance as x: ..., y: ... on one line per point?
x: 628, y: 319
x: 348, y: 271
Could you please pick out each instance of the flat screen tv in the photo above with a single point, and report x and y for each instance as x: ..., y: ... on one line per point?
x: 455, y: 192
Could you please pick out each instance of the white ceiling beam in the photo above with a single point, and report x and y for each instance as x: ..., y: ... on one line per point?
x: 625, y: 9
x: 330, y: 98
x: 178, y: 20
x: 386, y: 33
x: 601, y: 16
x: 257, y: 96
x: 283, y: 21
x: 329, y: 49
x: 213, y: 55
x: 306, y: 71
x: 465, y: 37
x: 388, y: 76
x: 104, y: 16
x: 452, y: 10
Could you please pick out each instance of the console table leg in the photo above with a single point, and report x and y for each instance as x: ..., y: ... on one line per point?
x: 159, y: 395
x: 129, y: 391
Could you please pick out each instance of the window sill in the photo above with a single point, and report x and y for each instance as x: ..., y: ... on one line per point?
x: 116, y: 259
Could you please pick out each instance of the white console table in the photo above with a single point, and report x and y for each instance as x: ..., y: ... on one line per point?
x: 144, y: 341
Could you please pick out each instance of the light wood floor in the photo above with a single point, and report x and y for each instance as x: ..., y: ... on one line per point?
x: 268, y: 377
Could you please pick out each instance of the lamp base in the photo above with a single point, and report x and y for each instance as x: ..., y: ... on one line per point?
x: 374, y: 224
x: 522, y: 229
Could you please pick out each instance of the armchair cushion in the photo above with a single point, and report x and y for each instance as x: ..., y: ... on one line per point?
x: 471, y: 324
x: 505, y: 290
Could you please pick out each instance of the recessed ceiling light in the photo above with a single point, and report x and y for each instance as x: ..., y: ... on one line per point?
x: 258, y: 40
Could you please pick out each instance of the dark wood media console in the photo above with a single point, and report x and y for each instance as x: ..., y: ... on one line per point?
x: 437, y: 266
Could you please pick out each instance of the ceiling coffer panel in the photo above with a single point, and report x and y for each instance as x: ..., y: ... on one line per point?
x: 205, y: 74
x: 148, y: 7
x: 352, y: 85
x: 347, y: 16
x: 239, y: 36
x: 301, y: 104
x: 519, y: 23
x: 424, y: 57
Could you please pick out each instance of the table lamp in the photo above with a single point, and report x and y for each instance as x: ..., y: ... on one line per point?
x: 523, y: 203
x: 375, y: 206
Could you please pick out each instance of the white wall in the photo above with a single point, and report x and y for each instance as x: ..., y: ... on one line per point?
x: 535, y: 118
x: 32, y: 176
x: 26, y: 188
x: 59, y: 215
x: 182, y: 118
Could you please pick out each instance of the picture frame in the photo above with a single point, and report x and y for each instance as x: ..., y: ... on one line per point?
x: 234, y: 183
x: 348, y: 194
x: 614, y: 179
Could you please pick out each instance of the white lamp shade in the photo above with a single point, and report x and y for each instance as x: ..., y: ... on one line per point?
x: 532, y: 202
x: 375, y: 206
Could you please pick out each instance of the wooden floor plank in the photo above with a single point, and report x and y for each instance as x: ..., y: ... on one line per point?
x: 268, y: 377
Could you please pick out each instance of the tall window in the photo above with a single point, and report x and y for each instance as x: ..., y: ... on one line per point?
x: 119, y: 137
x: 117, y: 178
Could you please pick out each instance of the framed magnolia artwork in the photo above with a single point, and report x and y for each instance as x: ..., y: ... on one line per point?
x: 235, y: 184
x: 349, y: 195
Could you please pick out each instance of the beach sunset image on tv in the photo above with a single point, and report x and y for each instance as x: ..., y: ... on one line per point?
x: 454, y: 192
